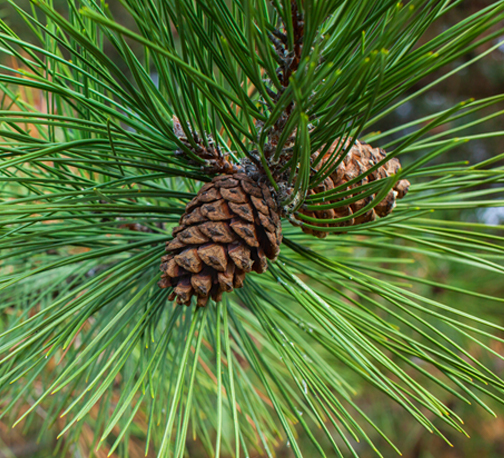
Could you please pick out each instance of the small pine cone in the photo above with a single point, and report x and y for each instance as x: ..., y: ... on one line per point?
x: 227, y: 230
x: 360, y: 158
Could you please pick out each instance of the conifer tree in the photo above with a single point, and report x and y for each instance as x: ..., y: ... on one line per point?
x: 203, y: 234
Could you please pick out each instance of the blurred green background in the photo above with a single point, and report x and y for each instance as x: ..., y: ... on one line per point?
x: 483, y: 79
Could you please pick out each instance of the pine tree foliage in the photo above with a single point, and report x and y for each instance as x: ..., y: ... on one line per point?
x: 94, y: 177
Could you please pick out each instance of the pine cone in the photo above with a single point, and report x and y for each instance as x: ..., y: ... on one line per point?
x: 227, y: 230
x: 358, y: 160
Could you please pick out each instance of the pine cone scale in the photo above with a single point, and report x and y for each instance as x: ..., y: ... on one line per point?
x: 243, y: 210
x: 241, y: 256
x: 209, y: 195
x: 216, y: 211
x: 189, y: 260
x: 192, y: 236
x: 260, y: 205
x: 246, y: 231
x: 235, y: 195
x: 213, y: 255
x: 217, y: 231
x: 202, y: 283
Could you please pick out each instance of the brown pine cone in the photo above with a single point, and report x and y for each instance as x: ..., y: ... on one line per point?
x: 227, y: 230
x: 358, y: 160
